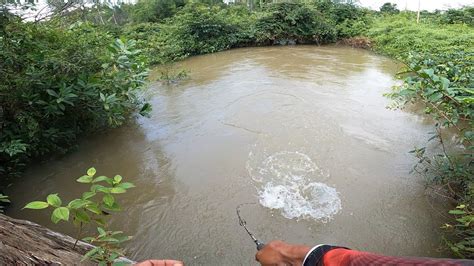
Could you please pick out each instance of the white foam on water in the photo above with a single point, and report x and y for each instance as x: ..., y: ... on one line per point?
x: 288, y: 181
x: 313, y: 201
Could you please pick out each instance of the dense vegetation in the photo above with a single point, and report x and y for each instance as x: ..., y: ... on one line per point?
x: 59, y: 83
x: 83, y: 69
x: 439, y: 73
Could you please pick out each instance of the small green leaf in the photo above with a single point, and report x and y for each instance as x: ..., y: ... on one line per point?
x: 108, y: 200
x: 88, y: 194
x: 61, y: 213
x: 445, y: 83
x: 457, y: 212
x: 91, y: 253
x: 52, y: 93
x: 117, y: 190
x: 88, y: 239
x: 100, y: 221
x: 121, y: 239
x: 429, y: 72
x: 435, y: 96
x: 82, y: 216
x: 100, y: 179
x: 78, y: 203
x: 91, y: 171
x: 101, y: 231
x: 36, y: 205
x: 100, y: 188
x: 94, y: 209
x: 114, y: 207
x: 54, y: 200
x: 84, y: 179
x: 126, y: 185
x: 117, y: 179
x: 54, y: 218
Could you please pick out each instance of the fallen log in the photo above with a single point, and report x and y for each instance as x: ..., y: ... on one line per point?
x: 26, y: 243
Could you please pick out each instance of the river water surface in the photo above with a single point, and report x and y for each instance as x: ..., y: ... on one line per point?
x: 302, y: 131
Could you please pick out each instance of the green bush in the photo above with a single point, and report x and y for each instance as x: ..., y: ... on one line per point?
x: 458, y: 16
x: 147, y: 38
x: 444, y: 83
x: 439, y: 60
x: 153, y: 10
x: 348, y: 20
x: 293, y: 22
x: 60, y: 83
x: 398, y: 35
x: 197, y: 29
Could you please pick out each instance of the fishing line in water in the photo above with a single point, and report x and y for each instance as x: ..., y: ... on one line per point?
x: 243, y: 223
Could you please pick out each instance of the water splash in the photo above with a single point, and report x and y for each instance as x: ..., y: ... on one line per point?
x: 288, y: 181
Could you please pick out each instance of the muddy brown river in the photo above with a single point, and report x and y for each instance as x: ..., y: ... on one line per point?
x: 301, y: 131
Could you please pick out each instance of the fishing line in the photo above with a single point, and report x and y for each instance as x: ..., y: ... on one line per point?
x: 243, y: 223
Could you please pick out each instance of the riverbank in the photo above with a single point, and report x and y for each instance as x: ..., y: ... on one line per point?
x: 42, y: 116
x: 24, y: 242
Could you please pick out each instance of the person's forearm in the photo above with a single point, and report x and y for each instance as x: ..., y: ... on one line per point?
x: 295, y: 254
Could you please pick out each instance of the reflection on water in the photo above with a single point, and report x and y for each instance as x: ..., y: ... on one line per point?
x: 260, y: 125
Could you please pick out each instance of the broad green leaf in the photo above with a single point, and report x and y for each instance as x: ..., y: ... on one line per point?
x: 82, y: 216
x: 114, y: 233
x: 88, y: 239
x: 94, y: 209
x: 84, y: 179
x: 61, y: 213
x: 457, y: 212
x: 78, y: 203
x: 113, y: 257
x: 100, y: 179
x: 114, y: 207
x: 445, y: 83
x: 429, y: 72
x: 101, y: 231
x: 100, y: 188
x: 91, y: 171
x: 100, y: 221
x: 36, y: 205
x: 54, y: 200
x: 109, y: 239
x: 117, y: 190
x: 54, y: 218
x: 435, y: 96
x: 52, y: 93
x: 108, y: 200
x: 126, y: 185
x: 88, y: 194
x: 90, y: 253
x: 122, y: 238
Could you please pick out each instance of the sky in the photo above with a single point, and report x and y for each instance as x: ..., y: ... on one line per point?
x: 413, y: 4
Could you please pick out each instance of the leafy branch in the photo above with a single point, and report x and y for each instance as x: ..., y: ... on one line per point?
x: 92, y: 207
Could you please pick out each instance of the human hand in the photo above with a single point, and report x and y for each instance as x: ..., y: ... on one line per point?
x: 160, y: 263
x: 279, y: 253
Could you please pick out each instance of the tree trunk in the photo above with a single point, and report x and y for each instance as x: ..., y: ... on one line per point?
x: 26, y: 243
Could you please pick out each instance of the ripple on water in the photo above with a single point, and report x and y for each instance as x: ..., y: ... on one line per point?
x: 288, y: 181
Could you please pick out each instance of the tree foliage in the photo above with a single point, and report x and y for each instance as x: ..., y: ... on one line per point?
x: 60, y: 83
x: 389, y: 8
